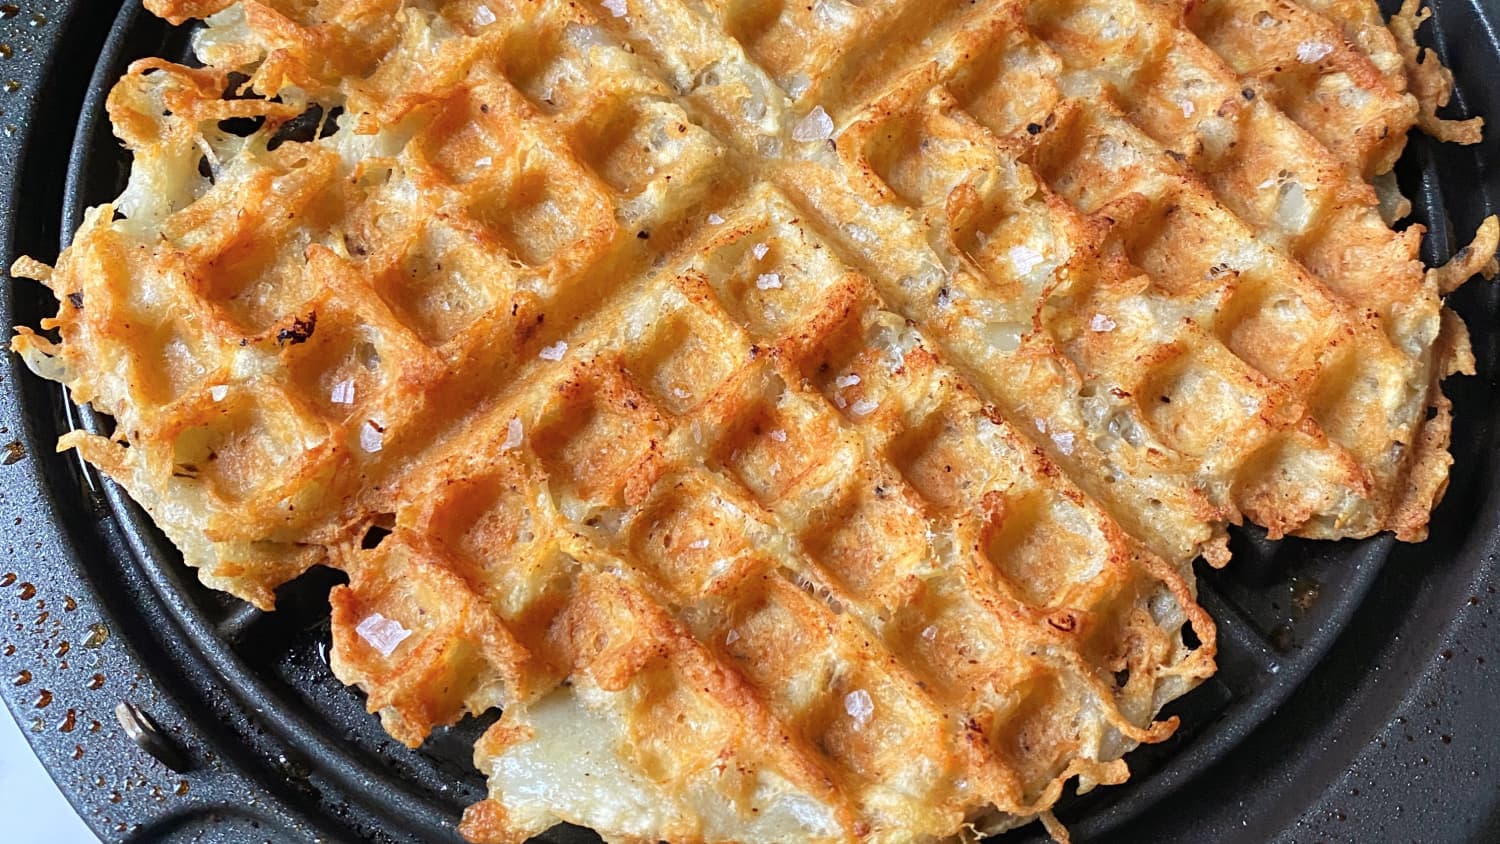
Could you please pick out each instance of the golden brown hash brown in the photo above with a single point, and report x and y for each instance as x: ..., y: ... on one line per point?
x: 801, y: 418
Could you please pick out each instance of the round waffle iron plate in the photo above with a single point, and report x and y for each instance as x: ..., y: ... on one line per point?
x: 1357, y: 686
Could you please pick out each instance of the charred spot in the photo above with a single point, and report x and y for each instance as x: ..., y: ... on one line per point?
x: 76, y: 300
x: 643, y: 235
x: 1064, y: 622
x: 299, y: 331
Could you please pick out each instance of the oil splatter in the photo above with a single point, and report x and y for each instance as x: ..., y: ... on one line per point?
x: 1305, y: 591
x: 98, y: 635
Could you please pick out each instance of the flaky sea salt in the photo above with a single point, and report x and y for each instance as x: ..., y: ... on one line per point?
x: 381, y: 633
x: 483, y: 16
x: 343, y: 392
x: 778, y: 435
x: 860, y: 707
x: 1025, y: 259
x: 760, y: 250
x: 769, y: 281
x: 615, y: 7
x: 698, y: 544
x: 846, y: 381
x: 218, y: 392
x: 554, y: 351
x: 715, y: 220
x: 1064, y: 441
x: 863, y: 407
x: 513, y: 434
x: 816, y: 126
x: 1102, y: 323
x: 371, y: 436
x: 1313, y: 51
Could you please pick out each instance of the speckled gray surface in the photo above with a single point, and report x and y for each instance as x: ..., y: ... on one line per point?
x: 1388, y: 739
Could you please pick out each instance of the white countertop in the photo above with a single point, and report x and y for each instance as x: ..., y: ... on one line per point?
x: 33, y: 808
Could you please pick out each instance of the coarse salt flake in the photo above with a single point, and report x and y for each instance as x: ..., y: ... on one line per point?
x: 816, y: 126
x: 863, y: 407
x: 760, y: 250
x: 1025, y: 259
x: 778, y: 435
x: 381, y: 633
x: 343, y: 392
x: 715, y: 220
x: 1102, y: 323
x: 615, y: 7
x: 484, y: 162
x: 513, y: 434
x: 371, y: 436
x: 769, y: 281
x: 218, y: 392
x: 1064, y: 441
x: 1313, y: 51
x: 483, y: 16
x: 860, y: 707
x: 846, y: 381
x: 698, y: 544
x: 732, y: 636
x: 554, y: 351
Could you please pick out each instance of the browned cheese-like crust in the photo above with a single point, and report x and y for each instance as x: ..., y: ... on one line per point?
x: 801, y: 418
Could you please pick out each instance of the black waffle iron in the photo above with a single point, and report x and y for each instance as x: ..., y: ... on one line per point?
x: 1358, y: 693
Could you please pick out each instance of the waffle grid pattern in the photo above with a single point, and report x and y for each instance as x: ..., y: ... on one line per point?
x: 841, y: 483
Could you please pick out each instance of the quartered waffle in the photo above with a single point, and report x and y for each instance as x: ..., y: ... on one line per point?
x: 800, y: 418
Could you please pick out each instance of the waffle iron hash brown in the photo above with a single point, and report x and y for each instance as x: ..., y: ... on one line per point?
x: 801, y: 418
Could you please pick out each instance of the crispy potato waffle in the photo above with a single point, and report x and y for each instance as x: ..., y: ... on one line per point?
x: 801, y: 418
